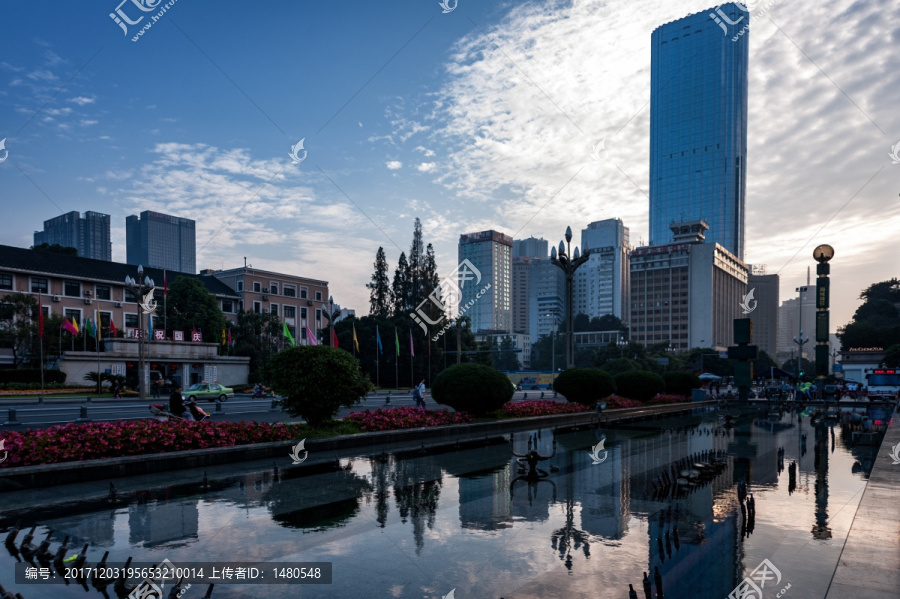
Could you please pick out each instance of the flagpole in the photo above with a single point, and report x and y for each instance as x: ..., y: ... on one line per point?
x: 98, y: 331
x: 412, y: 357
x: 396, y: 360
x: 428, y: 341
x: 377, y: 363
x: 41, y: 337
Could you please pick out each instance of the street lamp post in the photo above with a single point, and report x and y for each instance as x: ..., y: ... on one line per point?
x: 822, y: 255
x: 569, y: 263
x: 143, y: 291
x: 460, y: 327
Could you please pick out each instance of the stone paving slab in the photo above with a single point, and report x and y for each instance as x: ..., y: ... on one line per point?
x: 869, y: 565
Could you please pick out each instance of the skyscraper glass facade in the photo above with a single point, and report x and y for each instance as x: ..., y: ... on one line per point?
x: 89, y: 235
x: 161, y: 241
x: 491, y: 253
x: 698, y: 125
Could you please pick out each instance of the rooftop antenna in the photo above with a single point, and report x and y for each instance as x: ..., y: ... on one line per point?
x: 807, y: 275
x: 245, y: 261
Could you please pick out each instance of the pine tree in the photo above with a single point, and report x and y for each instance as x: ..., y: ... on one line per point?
x: 380, y: 291
x: 416, y: 267
x: 430, y: 283
x: 400, y: 287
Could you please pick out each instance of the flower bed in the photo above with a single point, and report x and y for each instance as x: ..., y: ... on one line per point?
x: 88, y: 441
x: 524, y: 409
x: 55, y: 390
x: 667, y: 399
x: 396, y: 418
x: 614, y: 402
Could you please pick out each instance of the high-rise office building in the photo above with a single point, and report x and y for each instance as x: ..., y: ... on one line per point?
x: 525, y: 252
x: 763, y: 308
x: 161, y: 241
x: 530, y: 248
x: 490, y: 252
x: 547, y: 299
x: 698, y: 125
x: 601, y: 283
x: 796, y: 314
x: 686, y: 292
x: 89, y: 234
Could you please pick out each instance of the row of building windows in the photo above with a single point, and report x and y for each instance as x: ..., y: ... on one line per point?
x: 286, y: 290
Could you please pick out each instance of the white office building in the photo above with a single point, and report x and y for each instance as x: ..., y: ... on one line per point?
x: 602, y: 283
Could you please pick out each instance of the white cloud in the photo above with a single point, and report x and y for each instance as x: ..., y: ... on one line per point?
x: 426, y: 167
x: 394, y: 164
x: 82, y: 100
x: 425, y: 151
x: 88, y: 122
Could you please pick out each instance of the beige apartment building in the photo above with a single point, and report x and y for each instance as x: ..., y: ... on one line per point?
x: 298, y: 301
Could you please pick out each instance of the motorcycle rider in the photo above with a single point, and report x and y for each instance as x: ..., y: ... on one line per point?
x: 176, y: 405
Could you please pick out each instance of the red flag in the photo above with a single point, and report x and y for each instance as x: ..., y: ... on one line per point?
x: 334, y: 341
x: 112, y: 327
x: 40, y: 318
x: 229, y: 337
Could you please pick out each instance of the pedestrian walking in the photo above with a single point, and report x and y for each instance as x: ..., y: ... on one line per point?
x: 115, y: 388
x: 419, y: 394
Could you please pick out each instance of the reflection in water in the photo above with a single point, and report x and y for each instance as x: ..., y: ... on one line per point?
x: 501, y: 531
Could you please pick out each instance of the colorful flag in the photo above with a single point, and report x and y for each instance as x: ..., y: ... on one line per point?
x: 334, y: 339
x: 75, y: 325
x: 150, y: 327
x: 112, y: 327
x: 67, y: 325
x: 99, y: 322
x: 310, y: 337
x: 40, y: 318
x: 378, y: 338
x: 412, y: 350
x: 223, y: 336
x: 89, y: 328
x: 396, y: 341
x: 286, y: 332
x: 355, y: 340
x: 230, y: 342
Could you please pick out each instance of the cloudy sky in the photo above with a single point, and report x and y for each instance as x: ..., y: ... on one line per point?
x: 481, y: 117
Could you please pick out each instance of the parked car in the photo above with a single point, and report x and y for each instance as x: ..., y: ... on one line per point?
x: 208, y: 391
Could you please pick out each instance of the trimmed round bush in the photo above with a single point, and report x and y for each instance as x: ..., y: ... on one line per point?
x: 472, y: 388
x: 681, y: 383
x: 585, y: 386
x: 617, y: 366
x: 641, y: 385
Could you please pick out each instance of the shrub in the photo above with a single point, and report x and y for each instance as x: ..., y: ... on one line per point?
x: 641, y: 385
x: 315, y: 381
x: 472, y: 388
x: 31, y: 375
x: 585, y: 385
x: 681, y: 383
x: 617, y: 366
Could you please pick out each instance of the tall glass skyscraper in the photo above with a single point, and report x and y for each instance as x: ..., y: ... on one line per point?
x: 490, y: 252
x: 698, y: 125
x: 89, y: 235
x: 161, y: 241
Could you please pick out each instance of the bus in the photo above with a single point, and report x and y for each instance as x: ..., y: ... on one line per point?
x: 883, y: 383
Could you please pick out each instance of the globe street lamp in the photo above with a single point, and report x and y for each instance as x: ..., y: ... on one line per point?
x: 569, y: 263
x: 460, y: 327
x: 143, y: 292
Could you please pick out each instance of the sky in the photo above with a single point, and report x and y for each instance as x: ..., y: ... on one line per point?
x: 470, y: 116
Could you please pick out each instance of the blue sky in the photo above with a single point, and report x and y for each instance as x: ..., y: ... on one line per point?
x: 483, y: 117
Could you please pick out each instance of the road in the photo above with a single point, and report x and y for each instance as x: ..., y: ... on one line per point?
x: 241, y: 407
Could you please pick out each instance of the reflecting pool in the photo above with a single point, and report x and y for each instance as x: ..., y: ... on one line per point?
x: 470, y: 520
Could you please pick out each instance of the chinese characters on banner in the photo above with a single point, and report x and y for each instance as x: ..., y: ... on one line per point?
x: 178, y: 335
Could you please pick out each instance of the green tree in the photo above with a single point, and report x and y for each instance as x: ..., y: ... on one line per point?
x: 506, y: 358
x: 876, y: 322
x: 617, y: 366
x: 541, y: 356
x: 400, y: 287
x: 581, y: 323
x: 258, y: 336
x: 55, y: 249
x: 892, y: 356
x: 380, y: 291
x: 315, y: 381
x: 432, y: 284
x: 191, y: 306
x: 681, y: 383
x: 18, y: 325
x: 607, y: 322
x: 416, y: 267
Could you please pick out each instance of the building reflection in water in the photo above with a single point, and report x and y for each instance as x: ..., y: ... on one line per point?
x: 160, y: 521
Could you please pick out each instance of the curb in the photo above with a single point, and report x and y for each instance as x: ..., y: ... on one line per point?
x: 29, y: 477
